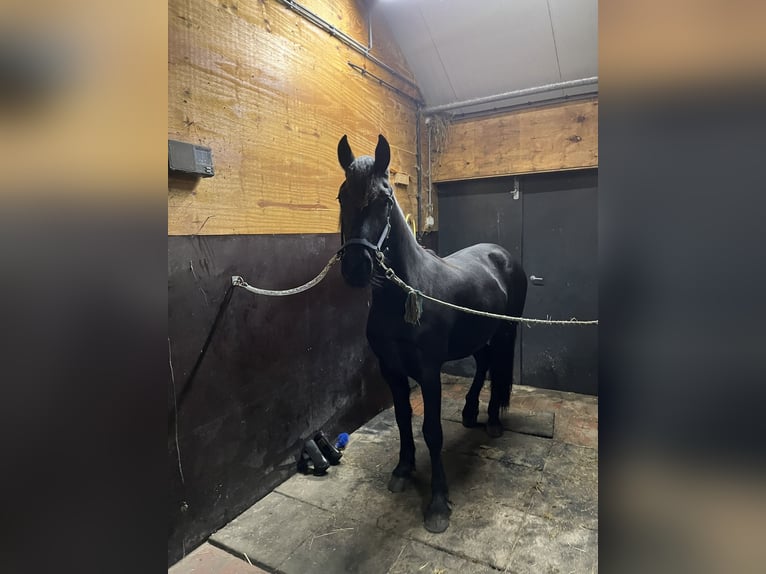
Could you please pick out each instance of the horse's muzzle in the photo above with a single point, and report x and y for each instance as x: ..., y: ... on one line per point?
x: 356, y: 266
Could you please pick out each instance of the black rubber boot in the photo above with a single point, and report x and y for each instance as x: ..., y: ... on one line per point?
x: 317, y: 458
x: 332, y: 454
x: 304, y: 463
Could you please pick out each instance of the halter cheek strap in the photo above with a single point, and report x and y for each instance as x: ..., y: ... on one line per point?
x: 375, y: 247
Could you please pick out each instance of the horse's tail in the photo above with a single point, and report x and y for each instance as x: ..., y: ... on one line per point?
x: 518, y: 294
x: 503, y: 343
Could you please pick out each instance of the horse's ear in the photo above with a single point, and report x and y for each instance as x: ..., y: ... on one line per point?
x: 345, y: 155
x: 382, y: 155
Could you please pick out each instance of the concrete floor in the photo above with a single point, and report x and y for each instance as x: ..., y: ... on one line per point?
x: 525, y: 502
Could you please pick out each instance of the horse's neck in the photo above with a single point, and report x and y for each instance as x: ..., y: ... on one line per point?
x: 404, y: 254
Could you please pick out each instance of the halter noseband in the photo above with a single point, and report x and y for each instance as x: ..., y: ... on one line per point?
x: 374, y: 247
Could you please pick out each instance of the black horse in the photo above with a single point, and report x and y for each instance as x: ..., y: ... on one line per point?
x: 483, y: 277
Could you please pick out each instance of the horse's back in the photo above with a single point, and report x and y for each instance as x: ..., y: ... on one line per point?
x: 484, y: 258
x: 478, y: 263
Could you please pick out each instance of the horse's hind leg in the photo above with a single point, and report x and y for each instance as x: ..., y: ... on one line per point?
x: 471, y: 408
x: 501, y: 351
x: 400, y: 390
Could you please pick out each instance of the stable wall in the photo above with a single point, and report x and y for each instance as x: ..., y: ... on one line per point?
x: 554, y: 150
x: 552, y: 138
x: 271, y: 94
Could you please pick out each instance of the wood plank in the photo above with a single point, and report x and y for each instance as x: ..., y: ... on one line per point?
x: 207, y: 559
x: 553, y: 138
x: 271, y: 94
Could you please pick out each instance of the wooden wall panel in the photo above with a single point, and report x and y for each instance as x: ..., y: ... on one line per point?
x: 553, y: 138
x: 271, y: 94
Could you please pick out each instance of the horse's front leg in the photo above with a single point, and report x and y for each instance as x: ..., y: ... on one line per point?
x: 438, y: 510
x: 400, y: 389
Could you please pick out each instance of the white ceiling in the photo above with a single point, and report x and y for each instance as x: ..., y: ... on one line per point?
x: 464, y: 49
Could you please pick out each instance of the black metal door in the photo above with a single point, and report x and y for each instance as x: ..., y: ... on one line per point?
x: 552, y: 229
x: 560, y: 243
x: 479, y: 211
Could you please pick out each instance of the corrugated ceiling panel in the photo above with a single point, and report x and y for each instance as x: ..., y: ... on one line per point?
x: 462, y: 49
x: 409, y: 27
x: 575, y: 23
x: 493, y: 46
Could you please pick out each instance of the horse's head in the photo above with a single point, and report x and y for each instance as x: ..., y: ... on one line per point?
x: 366, y: 199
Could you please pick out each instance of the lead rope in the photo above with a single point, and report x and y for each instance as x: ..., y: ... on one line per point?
x: 413, y: 306
x: 238, y: 281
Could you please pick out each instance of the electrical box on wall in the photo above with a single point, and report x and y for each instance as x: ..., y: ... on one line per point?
x: 190, y: 159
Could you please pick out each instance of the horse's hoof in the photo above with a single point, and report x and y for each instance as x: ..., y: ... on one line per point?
x: 437, y: 515
x: 469, y: 418
x: 469, y: 422
x: 495, y: 431
x: 397, y: 483
x: 436, y: 522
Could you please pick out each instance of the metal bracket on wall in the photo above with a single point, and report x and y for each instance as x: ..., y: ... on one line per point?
x: 515, y: 191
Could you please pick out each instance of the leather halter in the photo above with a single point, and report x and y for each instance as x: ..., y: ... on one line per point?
x: 374, y: 247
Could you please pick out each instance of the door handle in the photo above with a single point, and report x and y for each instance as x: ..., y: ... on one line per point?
x: 536, y: 280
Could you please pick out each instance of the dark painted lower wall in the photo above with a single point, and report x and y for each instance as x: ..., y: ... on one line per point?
x: 277, y: 370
